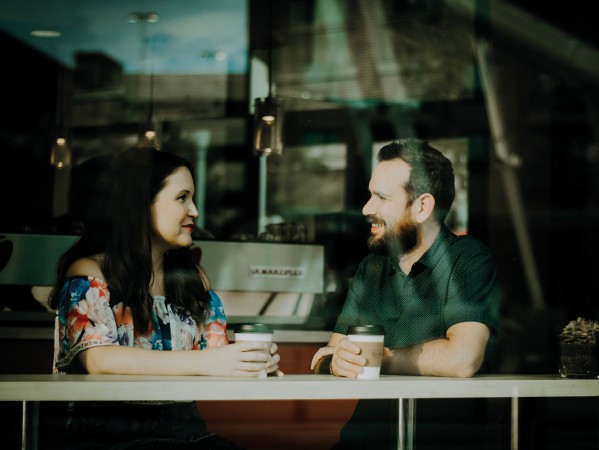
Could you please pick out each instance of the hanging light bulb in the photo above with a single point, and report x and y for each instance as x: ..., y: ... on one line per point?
x: 60, y: 152
x: 149, y: 139
x: 268, y: 113
x: 268, y: 126
x: 60, y: 155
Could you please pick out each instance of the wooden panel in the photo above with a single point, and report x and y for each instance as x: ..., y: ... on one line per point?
x: 288, y: 424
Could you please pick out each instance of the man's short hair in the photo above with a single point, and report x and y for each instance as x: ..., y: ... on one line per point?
x: 431, y: 172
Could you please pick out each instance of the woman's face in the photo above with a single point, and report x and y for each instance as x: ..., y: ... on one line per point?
x: 173, y: 212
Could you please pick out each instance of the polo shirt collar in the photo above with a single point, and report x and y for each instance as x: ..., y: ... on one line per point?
x: 435, y: 252
x: 431, y: 257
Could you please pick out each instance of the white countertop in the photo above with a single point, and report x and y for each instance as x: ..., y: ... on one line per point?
x: 289, y: 387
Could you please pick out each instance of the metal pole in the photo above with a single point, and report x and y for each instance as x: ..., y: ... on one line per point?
x: 262, y: 194
x: 202, y: 138
x: 401, y: 431
x: 24, y: 443
x: 515, y: 418
x: 410, y: 423
x: 406, y: 409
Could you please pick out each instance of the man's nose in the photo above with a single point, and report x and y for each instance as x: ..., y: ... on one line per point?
x: 368, y: 209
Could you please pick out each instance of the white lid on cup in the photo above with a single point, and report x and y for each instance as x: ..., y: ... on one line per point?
x: 253, y: 328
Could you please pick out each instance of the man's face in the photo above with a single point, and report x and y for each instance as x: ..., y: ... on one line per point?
x: 393, y: 229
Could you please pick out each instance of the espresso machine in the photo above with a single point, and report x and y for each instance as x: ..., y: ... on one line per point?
x: 266, y: 282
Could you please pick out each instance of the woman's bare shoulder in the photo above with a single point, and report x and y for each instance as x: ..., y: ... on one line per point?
x: 89, y: 266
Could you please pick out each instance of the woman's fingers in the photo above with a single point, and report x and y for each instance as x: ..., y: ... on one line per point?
x: 246, y: 346
x: 256, y: 357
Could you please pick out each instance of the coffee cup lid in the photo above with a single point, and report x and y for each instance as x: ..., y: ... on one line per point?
x: 253, y: 328
x: 366, y: 329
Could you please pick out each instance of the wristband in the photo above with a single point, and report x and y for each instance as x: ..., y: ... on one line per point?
x: 324, y: 365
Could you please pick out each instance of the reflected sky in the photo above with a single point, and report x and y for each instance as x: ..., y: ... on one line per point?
x: 192, y: 36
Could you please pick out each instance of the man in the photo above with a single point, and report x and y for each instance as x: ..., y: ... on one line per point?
x: 435, y: 293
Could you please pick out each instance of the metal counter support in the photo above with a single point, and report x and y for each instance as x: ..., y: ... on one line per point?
x: 24, y: 428
x: 514, y: 426
x: 407, y: 389
x: 405, y: 423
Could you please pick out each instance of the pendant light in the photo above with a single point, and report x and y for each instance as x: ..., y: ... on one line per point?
x: 268, y: 113
x: 148, y: 136
x: 60, y: 154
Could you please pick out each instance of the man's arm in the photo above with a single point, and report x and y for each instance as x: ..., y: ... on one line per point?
x: 460, y: 354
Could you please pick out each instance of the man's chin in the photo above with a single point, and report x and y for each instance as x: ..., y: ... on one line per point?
x: 377, y: 245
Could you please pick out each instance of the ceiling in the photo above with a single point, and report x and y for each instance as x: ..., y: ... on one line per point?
x: 191, y: 36
x: 356, y: 52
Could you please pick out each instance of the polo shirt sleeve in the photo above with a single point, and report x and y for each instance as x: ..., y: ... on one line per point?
x: 473, y: 291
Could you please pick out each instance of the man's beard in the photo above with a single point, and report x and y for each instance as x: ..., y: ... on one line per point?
x: 397, y: 241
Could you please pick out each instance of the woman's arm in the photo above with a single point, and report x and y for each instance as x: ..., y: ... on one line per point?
x: 242, y: 359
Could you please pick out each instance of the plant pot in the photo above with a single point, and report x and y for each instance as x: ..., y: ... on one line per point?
x: 577, y: 359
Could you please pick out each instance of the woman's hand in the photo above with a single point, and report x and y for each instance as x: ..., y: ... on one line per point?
x: 272, y: 368
x: 241, y: 359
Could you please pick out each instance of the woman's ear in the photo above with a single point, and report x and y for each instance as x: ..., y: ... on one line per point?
x: 423, y: 207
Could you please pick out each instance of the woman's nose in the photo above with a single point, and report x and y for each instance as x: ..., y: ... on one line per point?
x: 193, y: 211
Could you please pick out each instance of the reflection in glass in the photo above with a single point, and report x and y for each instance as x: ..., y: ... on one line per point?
x: 60, y: 157
x: 268, y: 125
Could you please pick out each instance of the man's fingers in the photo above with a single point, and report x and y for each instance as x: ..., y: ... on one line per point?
x: 348, y: 345
x: 351, y: 357
x: 344, y: 368
x: 321, y: 353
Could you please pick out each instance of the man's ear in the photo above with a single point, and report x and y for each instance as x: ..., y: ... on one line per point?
x: 423, y: 207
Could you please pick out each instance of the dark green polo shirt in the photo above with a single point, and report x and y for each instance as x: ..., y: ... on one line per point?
x: 454, y: 281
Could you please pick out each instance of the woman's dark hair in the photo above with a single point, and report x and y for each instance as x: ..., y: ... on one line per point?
x: 431, y: 172
x: 119, y: 228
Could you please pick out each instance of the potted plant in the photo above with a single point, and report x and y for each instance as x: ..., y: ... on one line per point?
x: 578, y: 349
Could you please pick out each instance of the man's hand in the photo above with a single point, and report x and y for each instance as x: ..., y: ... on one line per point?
x: 321, y: 357
x: 346, y: 359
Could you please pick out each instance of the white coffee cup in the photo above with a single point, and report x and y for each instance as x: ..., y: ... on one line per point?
x: 370, y: 338
x: 255, y: 332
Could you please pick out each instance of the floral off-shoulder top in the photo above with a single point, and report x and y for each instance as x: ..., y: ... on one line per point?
x: 87, y: 317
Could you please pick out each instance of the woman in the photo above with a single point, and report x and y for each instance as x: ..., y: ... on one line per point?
x: 127, y: 292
